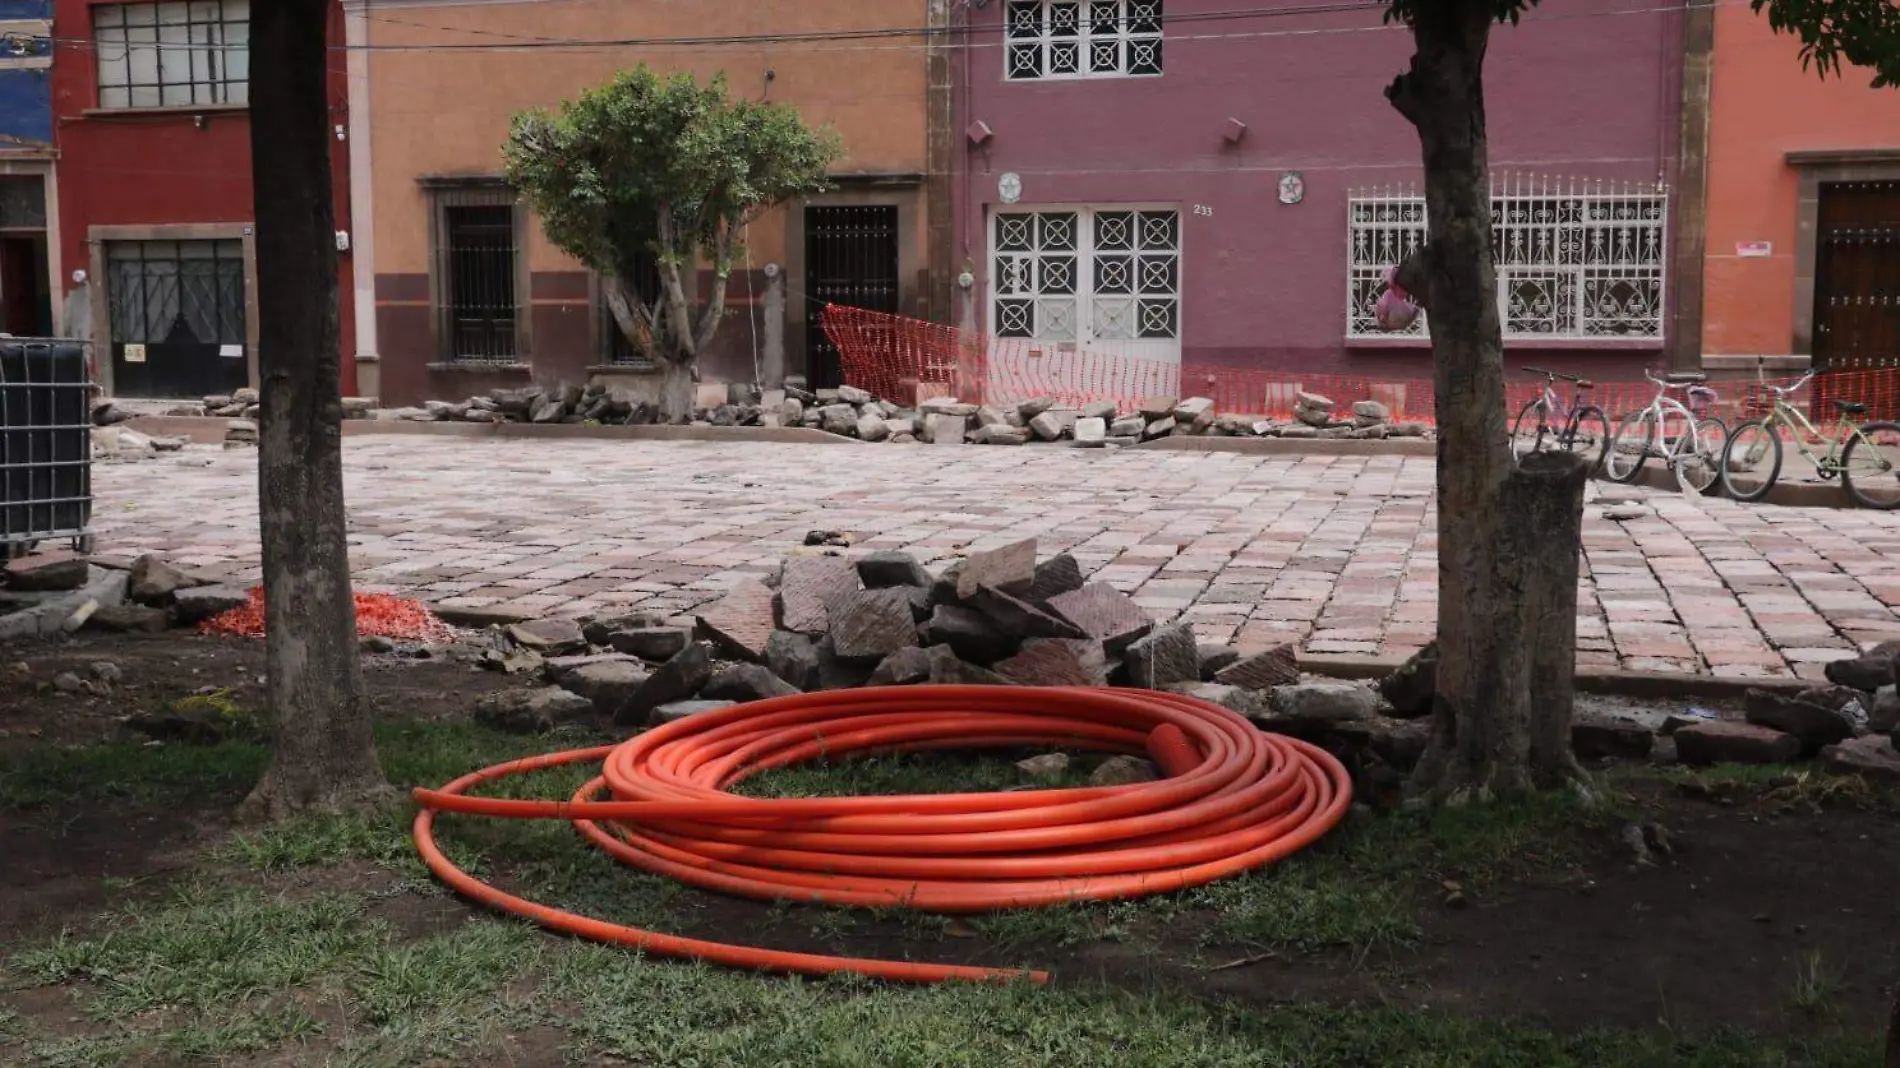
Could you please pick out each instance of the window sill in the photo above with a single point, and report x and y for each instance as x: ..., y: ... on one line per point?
x: 624, y: 369
x: 476, y: 368
x: 1573, y: 344
x: 164, y: 111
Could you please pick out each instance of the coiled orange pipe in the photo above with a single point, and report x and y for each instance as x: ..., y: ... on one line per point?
x: 1235, y: 799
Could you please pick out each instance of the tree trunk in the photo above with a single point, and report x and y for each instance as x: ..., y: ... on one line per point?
x: 679, y: 392
x: 323, y: 754
x: 1545, y: 498
x: 1482, y: 723
x: 628, y: 312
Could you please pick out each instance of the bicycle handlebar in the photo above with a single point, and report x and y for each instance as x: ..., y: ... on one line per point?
x: 1551, y: 374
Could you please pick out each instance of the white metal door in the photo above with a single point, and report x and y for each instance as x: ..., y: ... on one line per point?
x: 1103, y: 280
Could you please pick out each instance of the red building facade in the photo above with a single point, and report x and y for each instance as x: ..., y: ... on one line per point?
x: 152, y: 127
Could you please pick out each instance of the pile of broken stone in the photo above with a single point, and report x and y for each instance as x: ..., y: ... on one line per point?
x: 1852, y: 724
x: 47, y: 594
x: 112, y: 441
x: 997, y: 617
x: 851, y: 412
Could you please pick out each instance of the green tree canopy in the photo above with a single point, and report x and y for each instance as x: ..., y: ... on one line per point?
x: 662, y: 171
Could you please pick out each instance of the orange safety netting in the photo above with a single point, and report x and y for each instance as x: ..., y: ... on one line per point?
x: 377, y: 615
x: 908, y: 361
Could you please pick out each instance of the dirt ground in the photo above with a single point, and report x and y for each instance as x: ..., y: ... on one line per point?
x: 1775, y: 913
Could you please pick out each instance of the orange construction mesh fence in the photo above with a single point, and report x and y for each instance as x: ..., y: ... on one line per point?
x: 377, y: 615
x: 908, y: 361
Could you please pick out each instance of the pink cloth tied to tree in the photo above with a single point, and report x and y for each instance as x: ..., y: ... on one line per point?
x: 1394, y: 309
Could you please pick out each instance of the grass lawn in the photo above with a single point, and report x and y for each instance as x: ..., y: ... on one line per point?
x: 1463, y: 939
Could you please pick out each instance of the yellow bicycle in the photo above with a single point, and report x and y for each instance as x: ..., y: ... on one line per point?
x: 1865, y: 456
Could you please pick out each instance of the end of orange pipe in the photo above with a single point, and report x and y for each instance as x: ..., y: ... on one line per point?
x: 1168, y: 745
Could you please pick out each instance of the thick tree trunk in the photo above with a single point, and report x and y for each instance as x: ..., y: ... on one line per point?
x: 323, y: 754
x: 1545, y: 498
x: 679, y: 382
x: 1482, y: 727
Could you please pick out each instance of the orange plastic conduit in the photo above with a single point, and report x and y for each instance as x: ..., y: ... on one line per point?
x: 1235, y: 799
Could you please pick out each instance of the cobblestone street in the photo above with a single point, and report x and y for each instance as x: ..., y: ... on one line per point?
x: 1337, y: 553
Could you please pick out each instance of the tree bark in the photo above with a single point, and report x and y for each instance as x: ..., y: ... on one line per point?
x: 678, y: 390
x: 1545, y: 496
x: 630, y: 315
x: 323, y: 754
x: 1482, y: 724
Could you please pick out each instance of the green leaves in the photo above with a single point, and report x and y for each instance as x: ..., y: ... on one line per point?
x: 600, y: 170
x: 1864, y: 33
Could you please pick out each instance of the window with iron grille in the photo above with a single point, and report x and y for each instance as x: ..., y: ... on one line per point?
x: 173, y: 54
x: 646, y: 286
x: 1087, y: 275
x: 1051, y: 39
x: 477, y: 275
x: 155, y: 289
x: 1573, y: 261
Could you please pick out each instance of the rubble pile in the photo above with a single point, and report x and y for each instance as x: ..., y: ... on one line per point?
x: 850, y: 412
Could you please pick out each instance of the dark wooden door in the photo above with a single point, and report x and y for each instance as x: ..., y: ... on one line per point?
x: 850, y: 259
x: 1857, y: 277
x: 177, y: 318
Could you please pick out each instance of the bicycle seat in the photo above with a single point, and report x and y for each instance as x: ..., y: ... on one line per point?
x: 1684, y: 378
x: 1584, y: 383
x: 1849, y: 407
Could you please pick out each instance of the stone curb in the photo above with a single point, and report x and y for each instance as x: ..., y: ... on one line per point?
x: 1787, y: 493
x: 1653, y: 685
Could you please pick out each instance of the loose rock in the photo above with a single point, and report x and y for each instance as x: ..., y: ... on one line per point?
x: 129, y: 619
x: 1018, y: 618
x: 676, y: 680
x: 1104, y: 613
x: 1054, y: 577
x: 49, y: 574
x: 656, y: 644
x: 1057, y: 662
x: 807, y: 587
x: 1166, y: 656
x: 1091, y: 433
x: 200, y: 603
x: 1046, y: 766
x: 746, y: 682
x: 608, y: 682
x: 793, y: 658
x: 1278, y: 666
x: 1815, y: 725
x: 531, y: 711
x: 1123, y: 771
x: 1216, y: 657
x: 1872, y: 757
x: 905, y: 667
x: 888, y: 568
x: 871, y: 624
x: 549, y: 637
x: 1603, y: 737
x: 1869, y: 672
x: 742, y: 621
x: 970, y: 634
x: 1720, y: 742
x: 1325, y: 701
x: 1010, y: 568
x: 153, y: 581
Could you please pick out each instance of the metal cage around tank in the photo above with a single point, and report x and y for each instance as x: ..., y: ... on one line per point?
x: 45, y: 443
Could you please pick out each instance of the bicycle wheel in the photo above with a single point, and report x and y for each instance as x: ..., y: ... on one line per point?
x: 1629, y: 446
x: 1751, y: 461
x: 1531, y: 431
x: 1697, y: 458
x: 1588, y: 436
x: 1870, y: 466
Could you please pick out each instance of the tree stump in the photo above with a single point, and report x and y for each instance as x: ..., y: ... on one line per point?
x: 1545, y: 506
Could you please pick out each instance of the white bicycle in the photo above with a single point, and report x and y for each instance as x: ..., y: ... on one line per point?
x: 1691, y: 444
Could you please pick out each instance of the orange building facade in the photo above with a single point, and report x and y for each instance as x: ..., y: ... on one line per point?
x: 461, y: 291
x: 1802, y: 257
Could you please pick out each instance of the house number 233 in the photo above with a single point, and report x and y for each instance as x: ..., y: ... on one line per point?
x: 1203, y: 209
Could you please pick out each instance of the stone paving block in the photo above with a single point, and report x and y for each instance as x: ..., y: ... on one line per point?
x: 741, y: 622
x: 1104, y: 614
x: 807, y: 587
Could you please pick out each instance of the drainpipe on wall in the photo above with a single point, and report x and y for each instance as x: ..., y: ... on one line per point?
x: 1691, y: 234
x: 940, y: 141
x: 362, y: 199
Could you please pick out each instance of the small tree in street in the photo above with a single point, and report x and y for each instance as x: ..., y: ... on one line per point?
x: 658, y: 170
x: 322, y: 753
x: 1505, y: 623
